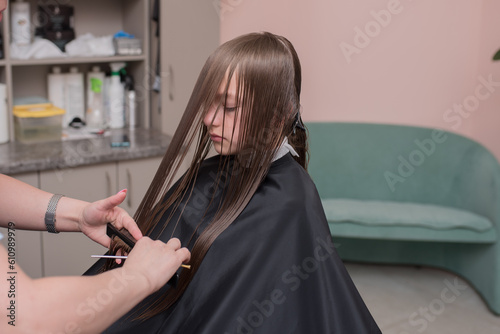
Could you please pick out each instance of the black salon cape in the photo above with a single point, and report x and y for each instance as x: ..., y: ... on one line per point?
x: 273, y: 270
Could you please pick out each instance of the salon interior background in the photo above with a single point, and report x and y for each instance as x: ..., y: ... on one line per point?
x: 413, y: 62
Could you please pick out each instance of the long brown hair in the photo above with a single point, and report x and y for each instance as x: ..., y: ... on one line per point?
x: 268, y: 76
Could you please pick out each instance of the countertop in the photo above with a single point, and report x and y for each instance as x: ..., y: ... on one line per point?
x: 16, y: 157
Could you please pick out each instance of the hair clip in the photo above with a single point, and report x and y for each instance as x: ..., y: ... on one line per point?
x: 112, y: 231
x: 298, y: 122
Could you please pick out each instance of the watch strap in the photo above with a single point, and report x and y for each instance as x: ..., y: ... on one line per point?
x: 50, y: 215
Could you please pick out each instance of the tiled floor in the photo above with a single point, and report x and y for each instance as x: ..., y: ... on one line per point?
x: 410, y: 300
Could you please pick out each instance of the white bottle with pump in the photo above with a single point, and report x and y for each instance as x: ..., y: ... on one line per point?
x: 74, y: 96
x: 56, y: 83
x: 21, y: 30
x: 116, y: 98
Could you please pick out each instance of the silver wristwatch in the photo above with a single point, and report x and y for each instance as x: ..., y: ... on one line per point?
x: 50, y: 215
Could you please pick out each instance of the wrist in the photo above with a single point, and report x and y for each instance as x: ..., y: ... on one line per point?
x: 141, y: 282
x: 70, y: 214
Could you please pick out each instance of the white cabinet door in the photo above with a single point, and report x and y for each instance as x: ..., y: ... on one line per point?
x: 136, y: 176
x: 189, y: 34
x: 69, y: 253
x: 28, y: 249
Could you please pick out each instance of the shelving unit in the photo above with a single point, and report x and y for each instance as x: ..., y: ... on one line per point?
x: 189, y: 33
x: 29, y: 77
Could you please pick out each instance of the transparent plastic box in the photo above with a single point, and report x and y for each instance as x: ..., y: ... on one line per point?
x: 36, y: 123
x: 127, y: 46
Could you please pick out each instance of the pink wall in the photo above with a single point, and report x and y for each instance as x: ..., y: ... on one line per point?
x: 419, y: 66
x: 486, y: 120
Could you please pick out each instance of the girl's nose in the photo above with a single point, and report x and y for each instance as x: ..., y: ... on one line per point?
x: 212, y: 118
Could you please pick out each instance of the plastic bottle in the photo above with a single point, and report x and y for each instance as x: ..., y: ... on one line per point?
x: 21, y: 30
x: 105, y: 97
x: 95, y: 112
x: 56, y: 87
x: 4, y: 120
x: 74, y: 96
x: 95, y: 73
x: 116, y: 98
x: 130, y: 103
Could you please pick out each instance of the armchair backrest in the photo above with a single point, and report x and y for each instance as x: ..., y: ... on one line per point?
x: 403, y: 163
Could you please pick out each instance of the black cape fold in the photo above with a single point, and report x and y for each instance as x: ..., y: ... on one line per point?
x: 273, y: 270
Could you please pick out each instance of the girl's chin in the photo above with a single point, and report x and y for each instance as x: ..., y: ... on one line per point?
x: 222, y: 149
x: 217, y: 147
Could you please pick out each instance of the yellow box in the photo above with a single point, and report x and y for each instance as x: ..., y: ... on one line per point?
x: 38, y: 122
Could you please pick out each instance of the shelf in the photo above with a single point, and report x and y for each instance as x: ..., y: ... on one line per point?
x: 73, y: 60
x: 28, y: 77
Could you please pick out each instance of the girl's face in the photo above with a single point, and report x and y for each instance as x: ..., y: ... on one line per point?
x: 224, y: 123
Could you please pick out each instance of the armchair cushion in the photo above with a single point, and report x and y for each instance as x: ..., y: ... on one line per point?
x: 414, y: 221
x: 387, y: 213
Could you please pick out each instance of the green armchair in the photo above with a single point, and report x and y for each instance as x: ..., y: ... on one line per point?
x: 411, y: 195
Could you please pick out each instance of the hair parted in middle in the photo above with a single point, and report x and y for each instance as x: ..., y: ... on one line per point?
x: 268, y: 83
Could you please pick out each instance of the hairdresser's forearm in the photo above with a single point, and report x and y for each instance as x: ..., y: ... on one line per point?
x: 91, y: 303
x: 79, y: 304
x: 26, y: 206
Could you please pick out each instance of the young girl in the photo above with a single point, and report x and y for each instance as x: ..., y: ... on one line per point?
x: 262, y: 257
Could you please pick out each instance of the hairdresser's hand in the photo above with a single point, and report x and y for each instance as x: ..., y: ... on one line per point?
x: 156, y: 261
x: 95, y: 216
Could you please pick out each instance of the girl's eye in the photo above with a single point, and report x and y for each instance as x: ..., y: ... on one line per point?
x: 230, y: 109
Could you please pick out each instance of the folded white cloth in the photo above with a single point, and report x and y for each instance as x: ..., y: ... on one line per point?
x: 39, y: 49
x: 90, y: 46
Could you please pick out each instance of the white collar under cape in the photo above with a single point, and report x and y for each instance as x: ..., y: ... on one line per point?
x: 284, y: 149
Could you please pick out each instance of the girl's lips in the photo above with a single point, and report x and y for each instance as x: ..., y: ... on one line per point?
x: 216, y: 138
